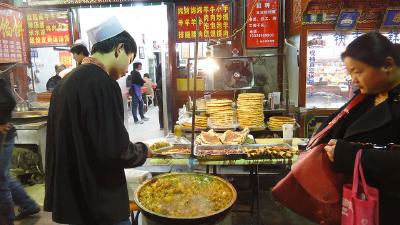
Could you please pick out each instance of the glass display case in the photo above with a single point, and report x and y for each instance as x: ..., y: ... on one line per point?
x: 328, y: 84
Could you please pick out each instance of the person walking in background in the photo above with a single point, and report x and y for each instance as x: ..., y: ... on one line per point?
x: 136, y: 91
x: 53, y: 81
x: 159, y: 96
x: 10, y: 189
x: 87, y: 144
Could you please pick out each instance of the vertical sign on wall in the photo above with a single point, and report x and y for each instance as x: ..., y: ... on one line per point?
x: 12, y: 36
x: 263, y: 22
x: 65, y: 58
x: 214, y: 21
x: 48, y: 28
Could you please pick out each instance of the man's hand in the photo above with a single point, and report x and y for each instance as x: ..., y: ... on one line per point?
x: 149, y: 153
x: 330, y: 148
x: 4, y: 128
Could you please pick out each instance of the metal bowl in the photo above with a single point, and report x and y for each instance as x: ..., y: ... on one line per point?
x: 164, y: 219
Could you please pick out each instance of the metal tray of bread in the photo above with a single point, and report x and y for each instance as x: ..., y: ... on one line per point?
x: 218, y: 152
x: 176, y: 151
x: 268, y: 151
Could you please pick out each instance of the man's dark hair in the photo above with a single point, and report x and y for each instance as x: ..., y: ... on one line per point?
x: 80, y: 49
x: 146, y: 75
x: 57, y: 66
x: 372, y: 49
x: 136, y: 65
x: 109, y: 44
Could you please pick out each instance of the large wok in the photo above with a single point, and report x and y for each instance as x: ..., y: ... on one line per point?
x: 206, y: 219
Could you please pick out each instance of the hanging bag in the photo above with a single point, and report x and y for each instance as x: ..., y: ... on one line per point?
x: 312, y: 189
x: 360, y: 203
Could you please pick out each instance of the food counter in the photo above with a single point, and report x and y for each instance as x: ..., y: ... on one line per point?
x: 280, y: 163
x: 32, y: 133
x: 238, y: 162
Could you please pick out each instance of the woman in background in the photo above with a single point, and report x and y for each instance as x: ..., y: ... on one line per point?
x: 137, y: 100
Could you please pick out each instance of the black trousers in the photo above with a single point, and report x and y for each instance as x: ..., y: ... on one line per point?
x: 160, y: 107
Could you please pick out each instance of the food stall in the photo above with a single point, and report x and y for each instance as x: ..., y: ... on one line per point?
x: 322, y: 30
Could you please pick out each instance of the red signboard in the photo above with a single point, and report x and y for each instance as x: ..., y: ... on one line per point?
x: 12, y: 36
x: 73, y: 2
x: 263, y: 22
x: 214, y: 21
x: 65, y: 58
x: 48, y: 28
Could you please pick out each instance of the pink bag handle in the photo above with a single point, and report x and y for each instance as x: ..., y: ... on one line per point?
x: 358, y: 174
x: 321, y: 134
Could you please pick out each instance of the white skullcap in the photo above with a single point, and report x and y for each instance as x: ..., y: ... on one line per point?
x: 105, y: 30
x: 80, y: 42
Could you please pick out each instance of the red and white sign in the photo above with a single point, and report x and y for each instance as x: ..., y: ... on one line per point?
x: 48, y: 28
x: 65, y: 58
x: 263, y: 23
x: 214, y: 21
x: 12, y: 36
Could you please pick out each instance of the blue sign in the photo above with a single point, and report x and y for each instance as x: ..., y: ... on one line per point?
x: 34, y: 53
x: 347, y: 19
x: 392, y: 18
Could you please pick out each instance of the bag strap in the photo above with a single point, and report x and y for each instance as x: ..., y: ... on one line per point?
x: 321, y: 134
x: 358, y: 174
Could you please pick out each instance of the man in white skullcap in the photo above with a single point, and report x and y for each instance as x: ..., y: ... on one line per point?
x: 88, y: 146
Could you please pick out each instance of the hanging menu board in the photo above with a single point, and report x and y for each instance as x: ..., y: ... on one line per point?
x: 72, y: 2
x: 263, y: 23
x: 48, y: 28
x: 12, y: 36
x: 214, y: 21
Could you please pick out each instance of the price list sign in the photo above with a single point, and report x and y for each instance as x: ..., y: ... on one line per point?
x: 263, y: 23
x: 214, y: 22
x: 65, y: 58
x: 12, y: 36
x: 48, y: 28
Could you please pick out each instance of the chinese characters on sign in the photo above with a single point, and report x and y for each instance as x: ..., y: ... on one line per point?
x: 65, y: 58
x: 263, y: 22
x: 48, y: 28
x: 12, y: 36
x: 72, y: 2
x: 214, y: 22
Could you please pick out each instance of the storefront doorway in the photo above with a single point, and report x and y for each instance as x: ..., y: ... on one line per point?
x: 149, y: 27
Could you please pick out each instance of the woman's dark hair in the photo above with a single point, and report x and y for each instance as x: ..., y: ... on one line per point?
x: 108, y: 45
x: 146, y: 75
x: 137, y: 79
x: 80, y: 49
x: 136, y: 65
x: 372, y: 49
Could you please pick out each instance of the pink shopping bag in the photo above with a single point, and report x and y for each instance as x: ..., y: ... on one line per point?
x: 360, y: 203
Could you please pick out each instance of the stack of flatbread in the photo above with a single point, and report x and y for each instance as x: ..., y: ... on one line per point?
x: 276, y: 122
x: 220, y: 112
x: 201, y: 122
x: 250, y: 110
